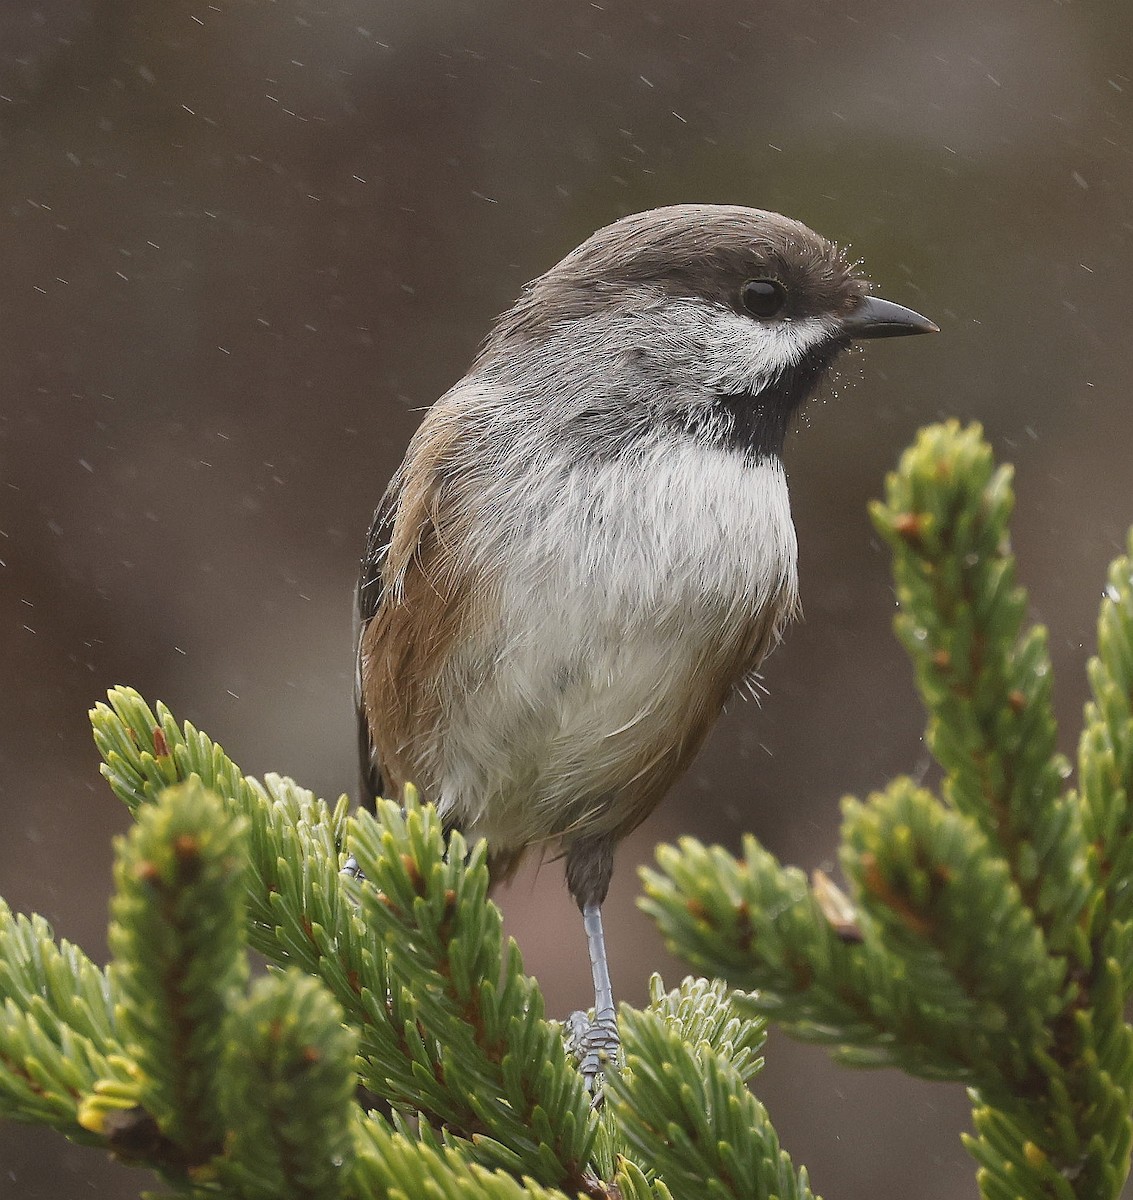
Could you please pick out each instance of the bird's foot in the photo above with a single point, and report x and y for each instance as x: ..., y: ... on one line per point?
x: 351, y: 868
x: 594, y: 1042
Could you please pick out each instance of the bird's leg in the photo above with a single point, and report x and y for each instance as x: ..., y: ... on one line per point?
x: 599, y: 1042
x: 589, y: 865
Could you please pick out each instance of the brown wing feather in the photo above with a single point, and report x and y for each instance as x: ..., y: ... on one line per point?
x: 367, y: 601
x: 416, y: 608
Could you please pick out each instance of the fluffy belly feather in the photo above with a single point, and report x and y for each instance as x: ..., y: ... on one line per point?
x: 651, y: 589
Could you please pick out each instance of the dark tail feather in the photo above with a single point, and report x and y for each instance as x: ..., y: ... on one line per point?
x: 370, y: 775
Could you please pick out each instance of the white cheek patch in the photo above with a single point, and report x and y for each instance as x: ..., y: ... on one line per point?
x: 736, y: 354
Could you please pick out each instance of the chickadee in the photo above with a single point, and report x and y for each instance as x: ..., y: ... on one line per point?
x: 588, y: 547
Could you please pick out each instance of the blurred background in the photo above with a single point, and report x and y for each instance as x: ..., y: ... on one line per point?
x: 243, y: 245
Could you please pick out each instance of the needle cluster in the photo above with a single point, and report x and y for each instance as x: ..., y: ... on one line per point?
x: 987, y: 933
x: 395, y: 1048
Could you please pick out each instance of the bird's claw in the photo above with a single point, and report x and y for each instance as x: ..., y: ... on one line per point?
x: 595, y: 1045
x: 351, y: 868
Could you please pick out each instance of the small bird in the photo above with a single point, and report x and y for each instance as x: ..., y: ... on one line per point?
x: 588, y: 547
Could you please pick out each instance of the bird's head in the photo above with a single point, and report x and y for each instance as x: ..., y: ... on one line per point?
x: 716, y: 319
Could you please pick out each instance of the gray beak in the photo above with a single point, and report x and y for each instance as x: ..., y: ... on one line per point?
x: 877, y: 318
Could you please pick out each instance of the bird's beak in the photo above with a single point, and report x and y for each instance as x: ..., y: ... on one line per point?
x: 877, y: 318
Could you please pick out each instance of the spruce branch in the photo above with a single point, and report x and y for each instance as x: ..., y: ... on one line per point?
x: 685, y: 1106
x: 706, y: 1012
x: 398, y: 1166
x: 294, y: 838
x: 760, y: 926
x: 985, y: 681
x: 288, y: 1092
x: 987, y: 937
x: 178, y: 945
x: 490, y: 1050
x: 989, y: 934
x: 301, y: 911
x: 304, y: 912
x: 57, y: 1025
x: 944, y: 902
x: 1105, y: 752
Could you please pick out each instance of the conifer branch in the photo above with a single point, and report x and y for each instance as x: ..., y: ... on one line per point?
x: 304, y: 912
x: 989, y: 934
x: 288, y: 1097
x: 985, y: 681
x: 1105, y: 752
x: 253, y: 1093
x: 178, y: 946
x: 57, y: 1027
x: 938, y: 896
x: 490, y: 1049
x: 682, y: 1105
x: 400, y: 981
x: 399, y: 1166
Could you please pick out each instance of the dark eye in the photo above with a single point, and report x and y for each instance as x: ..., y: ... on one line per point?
x: 763, y: 298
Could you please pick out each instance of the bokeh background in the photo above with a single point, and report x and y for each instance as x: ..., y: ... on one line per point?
x: 243, y: 244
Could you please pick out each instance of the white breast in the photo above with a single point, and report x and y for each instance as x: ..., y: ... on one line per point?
x: 635, y: 573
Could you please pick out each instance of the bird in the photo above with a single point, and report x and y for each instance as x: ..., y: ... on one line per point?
x: 588, y: 547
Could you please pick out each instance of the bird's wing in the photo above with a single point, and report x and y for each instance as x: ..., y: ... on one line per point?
x: 412, y: 601
x: 367, y: 601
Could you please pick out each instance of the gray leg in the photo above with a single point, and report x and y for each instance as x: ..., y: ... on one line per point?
x: 351, y: 868
x: 589, y: 865
x: 599, y: 1043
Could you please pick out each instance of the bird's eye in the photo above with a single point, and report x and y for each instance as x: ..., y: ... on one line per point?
x: 763, y: 298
